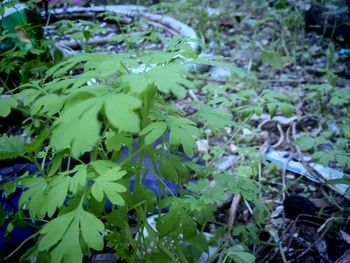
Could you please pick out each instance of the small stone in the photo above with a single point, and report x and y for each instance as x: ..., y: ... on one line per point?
x: 103, y: 258
x: 228, y: 130
x: 290, y: 176
x: 278, y: 210
x: 225, y: 162
x: 246, y: 132
x: 220, y: 73
x: 203, y: 146
x: 232, y: 148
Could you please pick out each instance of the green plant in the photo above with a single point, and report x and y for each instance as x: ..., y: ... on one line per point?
x: 18, y: 66
x: 129, y: 106
x: 335, y: 152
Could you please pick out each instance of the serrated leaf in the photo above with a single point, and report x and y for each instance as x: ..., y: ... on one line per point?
x: 27, y: 96
x: 102, y: 166
x: 6, y: 104
x: 272, y: 58
x: 104, y: 184
x: 11, y: 147
x: 197, y: 188
x: 78, y: 179
x: 183, y: 131
x: 33, y: 197
x: 272, y: 108
x: 188, y: 226
x: 78, y: 127
x: 54, y: 231
x: 323, y: 157
x: 120, y: 112
x: 68, y: 250
x: 287, y: 109
x: 108, y: 67
x: 116, y: 141
x: 112, y: 191
x: 111, y: 175
x: 57, y: 193
x: 49, y: 104
x: 136, y: 82
x: 305, y: 142
x: 91, y: 229
x: 97, y: 192
x: 343, y: 159
x: 62, y: 236
x: 153, y: 131
x: 144, y: 194
x: 218, y: 118
x: 169, y: 78
x: 168, y: 169
x: 61, y: 69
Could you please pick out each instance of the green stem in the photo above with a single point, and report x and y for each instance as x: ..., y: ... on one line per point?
x: 33, y: 160
x: 223, y: 148
x: 159, y: 177
x: 147, y: 104
x: 37, y: 114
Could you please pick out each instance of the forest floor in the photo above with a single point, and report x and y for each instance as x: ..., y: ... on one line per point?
x: 272, y: 46
x: 274, y: 58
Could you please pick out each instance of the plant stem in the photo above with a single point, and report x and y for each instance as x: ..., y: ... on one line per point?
x: 34, y: 161
x: 22, y: 244
x: 223, y: 148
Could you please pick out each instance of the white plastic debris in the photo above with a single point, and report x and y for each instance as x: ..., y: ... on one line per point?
x: 225, y: 162
x: 220, y: 73
x: 278, y: 210
x: 202, y: 145
x: 281, y: 158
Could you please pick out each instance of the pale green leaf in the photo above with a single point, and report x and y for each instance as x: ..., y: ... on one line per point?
x: 217, y: 118
x: 56, y: 195
x: 169, y: 78
x: 97, y: 191
x: 343, y: 159
x: 108, y: 67
x: 102, y: 166
x: 27, y: 96
x: 183, y: 131
x: 120, y: 111
x: 238, y: 255
x: 63, y: 235
x: 136, y: 82
x: 69, y: 249
x: 112, y: 191
x: 54, y: 231
x: 153, y: 131
x: 78, y: 179
x: 6, y: 104
x: 50, y: 104
x: 78, y: 127
x: 272, y: 58
x: 91, y: 229
x: 323, y: 157
x: 305, y: 142
x: 111, y: 175
x: 116, y: 141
